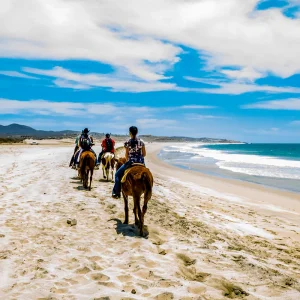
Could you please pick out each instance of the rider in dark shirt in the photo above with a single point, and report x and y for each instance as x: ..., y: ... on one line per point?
x: 85, y: 143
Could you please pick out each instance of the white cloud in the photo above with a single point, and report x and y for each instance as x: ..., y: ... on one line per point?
x: 156, y: 123
x: 117, y: 110
x: 75, y: 30
x: 194, y: 107
x: 201, y: 117
x: 270, y: 131
x: 247, y: 74
x: 237, y: 87
x: 115, y: 82
x: 287, y: 104
x: 16, y: 74
x: 141, y: 36
x: 295, y: 123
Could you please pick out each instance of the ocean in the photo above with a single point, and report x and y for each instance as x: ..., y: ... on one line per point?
x: 273, y: 165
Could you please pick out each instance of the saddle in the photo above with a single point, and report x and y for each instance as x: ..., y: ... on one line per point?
x: 127, y: 171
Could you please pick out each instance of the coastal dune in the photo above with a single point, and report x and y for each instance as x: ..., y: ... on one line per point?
x: 207, y: 238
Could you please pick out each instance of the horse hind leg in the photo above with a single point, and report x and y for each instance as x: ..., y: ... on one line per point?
x: 125, y: 197
x: 107, y: 173
x: 147, y: 197
x: 86, y: 179
x: 135, y: 211
x: 112, y: 174
x: 136, y: 199
x: 91, y: 178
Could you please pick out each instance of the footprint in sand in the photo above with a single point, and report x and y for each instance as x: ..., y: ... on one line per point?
x: 124, y: 278
x: 99, y: 277
x: 83, y: 270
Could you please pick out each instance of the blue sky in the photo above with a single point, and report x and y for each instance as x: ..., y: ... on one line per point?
x: 213, y: 68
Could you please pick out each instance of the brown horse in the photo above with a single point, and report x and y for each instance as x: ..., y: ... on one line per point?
x: 120, y: 162
x: 86, y: 166
x: 136, y: 181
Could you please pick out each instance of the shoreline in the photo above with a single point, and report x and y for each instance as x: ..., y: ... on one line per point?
x: 245, y: 190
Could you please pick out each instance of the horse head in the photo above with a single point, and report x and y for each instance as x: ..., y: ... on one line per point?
x: 120, y: 162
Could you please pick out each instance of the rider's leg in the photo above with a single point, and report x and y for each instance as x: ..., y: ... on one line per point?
x: 77, y: 157
x: 71, y: 161
x: 73, y: 156
x: 100, y: 155
x: 116, y: 192
x: 97, y: 162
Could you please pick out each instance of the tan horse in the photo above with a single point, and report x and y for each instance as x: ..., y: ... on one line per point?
x: 86, y: 168
x: 137, y: 181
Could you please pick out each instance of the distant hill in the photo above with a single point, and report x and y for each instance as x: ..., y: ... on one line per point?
x: 17, y: 130
x: 23, y: 132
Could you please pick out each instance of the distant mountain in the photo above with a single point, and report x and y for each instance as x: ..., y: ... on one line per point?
x: 17, y: 130
x: 22, y: 131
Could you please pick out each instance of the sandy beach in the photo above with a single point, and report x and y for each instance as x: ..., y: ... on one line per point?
x: 208, y: 238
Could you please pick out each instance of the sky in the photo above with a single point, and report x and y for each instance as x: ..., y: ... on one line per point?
x: 200, y: 68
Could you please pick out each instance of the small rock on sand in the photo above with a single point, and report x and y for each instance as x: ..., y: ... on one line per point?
x: 72, y: 222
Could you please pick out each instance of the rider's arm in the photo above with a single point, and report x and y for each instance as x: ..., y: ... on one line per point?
x: 144, y: 151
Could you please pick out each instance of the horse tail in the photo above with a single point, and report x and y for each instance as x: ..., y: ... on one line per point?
x: 148, y: 182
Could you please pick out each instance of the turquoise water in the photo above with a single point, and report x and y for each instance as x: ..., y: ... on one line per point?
x: 285, y: 151
x: 275, y: 165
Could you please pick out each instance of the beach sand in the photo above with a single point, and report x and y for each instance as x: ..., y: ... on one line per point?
x: 208, y: 238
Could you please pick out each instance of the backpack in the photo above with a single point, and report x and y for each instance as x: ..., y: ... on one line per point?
x: 109, y: 145
x: 85, y: 142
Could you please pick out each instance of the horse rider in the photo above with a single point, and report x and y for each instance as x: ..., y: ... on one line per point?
x: 75, y: 149
x: 108, y: 145
x: 85, y: 143
x: 135, y: 152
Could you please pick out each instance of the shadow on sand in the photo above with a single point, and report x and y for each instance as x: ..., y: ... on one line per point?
x: 129, y: 229
x: 104, y: 180
x: 80, y: 188
x: 78, y: 181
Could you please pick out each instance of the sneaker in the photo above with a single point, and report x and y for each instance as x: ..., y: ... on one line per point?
x: 97, y: 167
x: 116, y: 196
